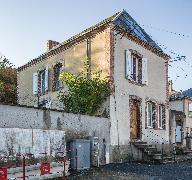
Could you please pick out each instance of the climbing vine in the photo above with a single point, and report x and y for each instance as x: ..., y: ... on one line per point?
x: 86, y: 91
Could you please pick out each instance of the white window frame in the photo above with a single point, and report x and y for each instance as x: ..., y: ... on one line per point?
x: 151, y: 118
x: 160, y: 117
x: 190, y: 110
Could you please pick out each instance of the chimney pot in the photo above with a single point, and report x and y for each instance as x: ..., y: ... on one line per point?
x: 51, y: 44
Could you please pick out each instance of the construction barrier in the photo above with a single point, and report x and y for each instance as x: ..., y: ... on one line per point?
x: 3, y: 173
x: 45, y: 168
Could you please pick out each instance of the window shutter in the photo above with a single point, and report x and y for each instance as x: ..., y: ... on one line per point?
x: 46, y: 79
x: 35, y: 83
x: 144, y: 71
x: 190, y: 107
x: 128, y: 64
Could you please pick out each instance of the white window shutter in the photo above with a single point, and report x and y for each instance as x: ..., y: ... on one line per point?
x: 145, y: 71
x: 35, y: 83
x: 128, y: 64
x: 46, y: 79
x: 190, y: 107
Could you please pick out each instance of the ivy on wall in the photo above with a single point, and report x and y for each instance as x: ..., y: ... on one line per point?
x: 86, y: 91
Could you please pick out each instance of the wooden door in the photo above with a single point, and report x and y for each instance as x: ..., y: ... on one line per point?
x: 135, y: 121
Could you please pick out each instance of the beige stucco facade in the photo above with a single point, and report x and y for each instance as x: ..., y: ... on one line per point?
x: 119, y: 102
x: 72, y: 59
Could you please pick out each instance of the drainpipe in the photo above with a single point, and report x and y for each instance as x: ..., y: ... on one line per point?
x: 162, y: 151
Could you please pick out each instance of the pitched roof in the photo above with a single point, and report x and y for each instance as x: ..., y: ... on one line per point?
x: 188, y: 92
x: 124, y: 20
x: 121, y: 19
x: 179, y: 96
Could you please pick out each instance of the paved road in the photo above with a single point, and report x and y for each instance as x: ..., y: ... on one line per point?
x: 135, y: 171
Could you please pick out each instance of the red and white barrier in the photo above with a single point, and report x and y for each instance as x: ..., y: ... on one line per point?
x: 45, y: 168
x: 3, y: 173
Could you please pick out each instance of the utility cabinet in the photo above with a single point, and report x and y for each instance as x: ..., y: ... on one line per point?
x: 80, y: 154
x: 95, y: 156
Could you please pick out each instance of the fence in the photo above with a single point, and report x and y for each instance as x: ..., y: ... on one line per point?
x: 26, y: 166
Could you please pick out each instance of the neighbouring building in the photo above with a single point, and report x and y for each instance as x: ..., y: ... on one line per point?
x: 180, y: 118
x: 137, y: 108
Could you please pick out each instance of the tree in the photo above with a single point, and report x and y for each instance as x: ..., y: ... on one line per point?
x: 8, y: 81
x: 4, y: 62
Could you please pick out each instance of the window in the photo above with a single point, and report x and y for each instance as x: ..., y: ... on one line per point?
x: 160, y: 119
x: 136, y: 67
x: 58, y: 84
x: 149, y: 114
x: 42, y: 82
x: 190, y: 110
x: 135, y: 72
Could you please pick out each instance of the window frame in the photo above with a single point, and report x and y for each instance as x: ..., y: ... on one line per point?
x: 57, y: 71
x: 151, y: 117
x: 135, y: 76
x: 189, y: 115
x: 42, y: 81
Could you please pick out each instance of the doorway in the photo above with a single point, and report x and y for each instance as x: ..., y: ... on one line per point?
x: 178, y: 132
x: 135, y: 123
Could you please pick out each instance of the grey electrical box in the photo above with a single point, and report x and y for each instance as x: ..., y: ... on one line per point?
x: 95, y: 159
x: 80, y: 154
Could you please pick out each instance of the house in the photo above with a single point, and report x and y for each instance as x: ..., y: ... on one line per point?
x: 136, y: 66
x: 180, y: 118
x: 188, y: 92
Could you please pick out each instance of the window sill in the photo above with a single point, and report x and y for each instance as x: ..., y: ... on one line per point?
x: 42, y: 94
x: 160, y: 128
x: 135, y: 82
x: 149, y: 127
x: 59, y: 89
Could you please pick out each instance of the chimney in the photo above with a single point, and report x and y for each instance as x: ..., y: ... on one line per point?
x: 170, y: 87
x: 51, y: 44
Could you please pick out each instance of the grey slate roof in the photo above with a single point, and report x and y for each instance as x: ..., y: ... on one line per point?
x: 179, y: 96
x: 125, y: 21
x: 188, y: 92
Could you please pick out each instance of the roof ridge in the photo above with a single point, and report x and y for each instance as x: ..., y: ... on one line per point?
x: 108, y: 19
x: 118, y: 14
x: 124, y: 22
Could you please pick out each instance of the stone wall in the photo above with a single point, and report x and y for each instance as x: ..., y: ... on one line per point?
x: 35, y: 141
x: 74, y: 125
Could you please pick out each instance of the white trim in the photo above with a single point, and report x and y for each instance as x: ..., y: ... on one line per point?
x: 149, y: 126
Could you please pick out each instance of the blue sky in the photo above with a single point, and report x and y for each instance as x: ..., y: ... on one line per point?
x: 25, y: 26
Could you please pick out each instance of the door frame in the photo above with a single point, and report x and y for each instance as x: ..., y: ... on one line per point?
x: 139, y: 101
